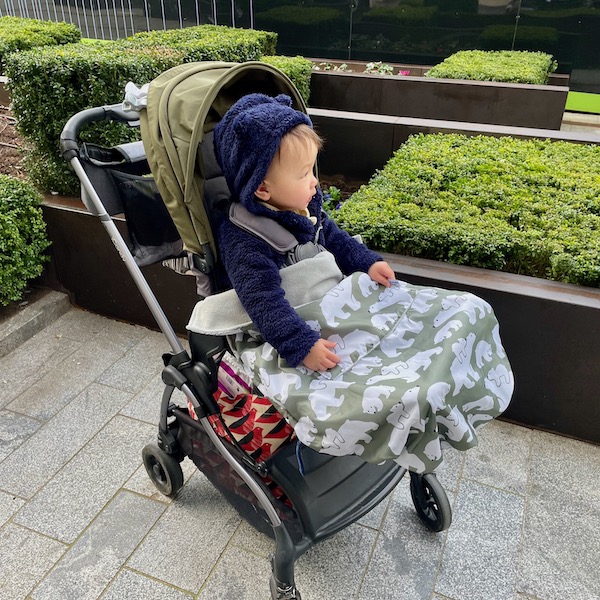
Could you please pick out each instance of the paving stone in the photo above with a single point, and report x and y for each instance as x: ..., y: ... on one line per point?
x: 238, y: 575
x: 30, y: 362
x: 9, y: 505
x: 57, y: 388
x: 502, y: 457
x: 135, y: 368
x: 335, y: 567
x: 558, y: 463
x: 25, y: 557
x: 480, y: 556
x: 33, y: 318
x: 560, y: 552
x: 67, y: 504
x: 146, y: 403
x: 185, y: 544
x: 451, y: 470
x: 79, y: 325
x: 33, y: 463
x: 94, y: 560
x: 248, y: 538
x: 14, y: 430
x: 406, y: 556
x: 133, y: 586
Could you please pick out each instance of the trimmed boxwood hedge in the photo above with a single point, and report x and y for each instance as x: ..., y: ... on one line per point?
x: 522, y: 206
x: 49, y: 85
x: 23, y: 239
x: 17, y: 34
x: 512, y: 66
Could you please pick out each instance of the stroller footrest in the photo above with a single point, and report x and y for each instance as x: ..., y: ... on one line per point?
x: 334, y: 491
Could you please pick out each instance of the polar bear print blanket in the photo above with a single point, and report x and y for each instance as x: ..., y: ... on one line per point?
x: 420, y: 368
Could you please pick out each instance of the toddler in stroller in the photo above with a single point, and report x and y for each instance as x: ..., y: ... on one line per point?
x: 299, y: 495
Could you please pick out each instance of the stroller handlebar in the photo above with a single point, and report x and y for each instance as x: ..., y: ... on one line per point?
x: 69, y: 145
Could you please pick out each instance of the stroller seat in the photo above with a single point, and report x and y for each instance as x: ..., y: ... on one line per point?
x: 234, y: 436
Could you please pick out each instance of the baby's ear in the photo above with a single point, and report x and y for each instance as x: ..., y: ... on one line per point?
x: 262, y: 193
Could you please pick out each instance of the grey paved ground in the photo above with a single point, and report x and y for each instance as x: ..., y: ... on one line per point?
x: 80, y: 520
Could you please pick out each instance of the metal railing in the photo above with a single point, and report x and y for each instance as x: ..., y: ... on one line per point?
x: 114, y: 19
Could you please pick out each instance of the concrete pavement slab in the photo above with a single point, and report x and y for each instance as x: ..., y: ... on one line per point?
x: 74, y: 496
x: 36, y: 461
x: 95, y: 559
x: 130, y: 585
x: 184, y: 546
x: 14, y: 430
x: 26, y: 557
x: 406, y: 555
x: 480, y: 556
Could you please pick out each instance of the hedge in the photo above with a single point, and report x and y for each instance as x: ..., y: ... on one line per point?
x: 522, y: 206
x: 23, y: 238
x: 511, y: 66
x: 401, y: 15
x: 527, y: 37
x: 49, y: 85
x: 209, y: 42
x: 17, y: 34
x: 297, y: 68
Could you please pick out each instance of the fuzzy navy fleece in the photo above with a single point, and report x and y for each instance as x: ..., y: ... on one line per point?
x: 256, y: 124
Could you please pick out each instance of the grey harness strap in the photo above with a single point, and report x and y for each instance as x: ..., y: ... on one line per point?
x: 277, y: 236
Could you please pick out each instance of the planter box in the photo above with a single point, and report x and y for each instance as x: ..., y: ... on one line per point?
x: 550, y: 329
x: 511, y: 104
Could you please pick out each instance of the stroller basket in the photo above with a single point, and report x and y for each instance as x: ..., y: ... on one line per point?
x: 295, y: 495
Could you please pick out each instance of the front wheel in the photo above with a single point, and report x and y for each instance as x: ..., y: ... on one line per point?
x: 431, y: 501
x: 163, y: 469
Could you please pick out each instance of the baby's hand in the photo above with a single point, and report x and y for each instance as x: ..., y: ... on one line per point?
x: 321, y: 357
x: 381, y: 272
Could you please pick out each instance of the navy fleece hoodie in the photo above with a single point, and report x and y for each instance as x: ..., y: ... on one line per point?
x: 246, y: 140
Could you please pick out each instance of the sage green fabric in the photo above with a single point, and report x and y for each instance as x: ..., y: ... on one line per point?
x: 184, y: 103
x: 421, y: 368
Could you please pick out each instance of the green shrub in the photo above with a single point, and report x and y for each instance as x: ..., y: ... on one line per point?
x: 504, y: 65
x: 527, y: 37
x: 523, y: 206
x: 400, y: 15
x: 297, y: 68
x: 298, y: 16
x: 17, y: 34
x: 23, y: 238
x: 49, y: 85
x: 210, y: 42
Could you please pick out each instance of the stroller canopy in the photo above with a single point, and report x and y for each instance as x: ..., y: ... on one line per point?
x: 184, y: 104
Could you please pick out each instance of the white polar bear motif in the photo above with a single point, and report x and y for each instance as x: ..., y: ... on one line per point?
x: 335, y: 301
x: 371, y: 402
x: 323, y: 395
x: 305, y: 430
x: 278, y: 384
x: 346, y: 439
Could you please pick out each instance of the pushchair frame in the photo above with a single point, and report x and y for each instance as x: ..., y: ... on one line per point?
x: 327, y: 493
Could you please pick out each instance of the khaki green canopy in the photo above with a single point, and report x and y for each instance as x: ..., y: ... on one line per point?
x: 184, y: 104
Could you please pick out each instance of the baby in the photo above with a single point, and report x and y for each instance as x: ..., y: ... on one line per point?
x: 267, y: 152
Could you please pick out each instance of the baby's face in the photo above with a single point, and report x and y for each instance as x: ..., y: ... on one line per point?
x: 290, y: 182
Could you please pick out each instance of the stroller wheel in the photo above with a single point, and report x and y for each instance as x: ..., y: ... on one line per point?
x: 163, y: 469
x: 431, y: 501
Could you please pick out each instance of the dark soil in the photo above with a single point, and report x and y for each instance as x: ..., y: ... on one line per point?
x: 11, y: 143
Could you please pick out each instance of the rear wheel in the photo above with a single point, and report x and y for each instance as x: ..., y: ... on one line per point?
x: 431, y: 501
x: 163, y: 469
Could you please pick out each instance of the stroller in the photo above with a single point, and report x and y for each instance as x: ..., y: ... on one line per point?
x: 297, y: 498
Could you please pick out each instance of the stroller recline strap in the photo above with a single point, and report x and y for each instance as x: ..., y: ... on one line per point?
x: 277, y: 236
